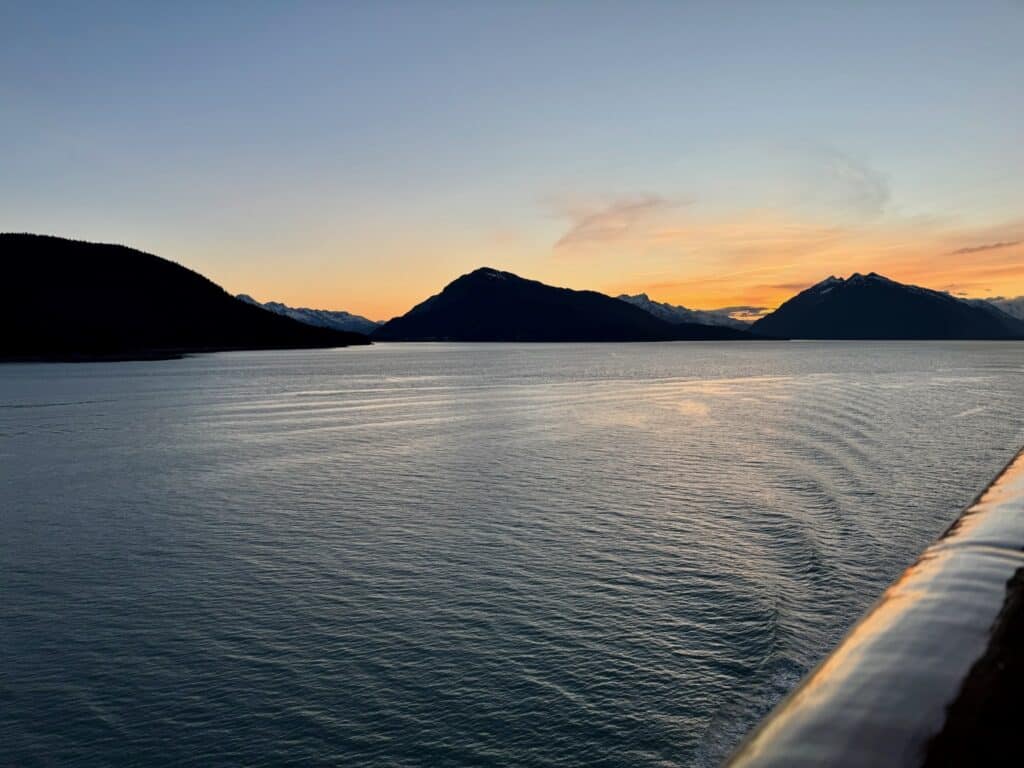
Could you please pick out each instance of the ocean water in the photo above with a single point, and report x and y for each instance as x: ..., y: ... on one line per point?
x: 463, y: 555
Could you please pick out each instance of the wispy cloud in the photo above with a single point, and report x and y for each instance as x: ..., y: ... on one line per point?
x: 956, y: 289
x: 802, y: 285
x: 828, y: 181
x: 758, y: 255
x: 859, y: 186
x: 745, y: 313
x: 985, y: 247
x: 745, y: 308
x: 612, y: 222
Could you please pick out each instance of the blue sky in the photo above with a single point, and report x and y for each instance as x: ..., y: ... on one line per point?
x: 360, y: 155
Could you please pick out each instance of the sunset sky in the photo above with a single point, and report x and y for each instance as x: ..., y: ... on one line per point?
x: 359, y: 156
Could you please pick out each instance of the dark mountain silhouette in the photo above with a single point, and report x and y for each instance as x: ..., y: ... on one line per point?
x: 489, y: 305
x: 875, y: 307
x: 71, y: 300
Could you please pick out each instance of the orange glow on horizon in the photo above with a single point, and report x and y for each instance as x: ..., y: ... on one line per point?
x: 762, y: 263
x: 702, y: 262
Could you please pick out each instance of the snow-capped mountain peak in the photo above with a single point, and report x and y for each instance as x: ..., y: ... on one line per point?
x: 675, y: 313
x: 322, y: 318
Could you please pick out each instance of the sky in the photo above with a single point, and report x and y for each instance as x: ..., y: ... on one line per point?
x: 361, y: 155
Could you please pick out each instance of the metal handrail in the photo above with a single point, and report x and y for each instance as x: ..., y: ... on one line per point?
x: 934, y: 672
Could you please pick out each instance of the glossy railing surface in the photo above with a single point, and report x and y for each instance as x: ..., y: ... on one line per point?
x: 934, y: 673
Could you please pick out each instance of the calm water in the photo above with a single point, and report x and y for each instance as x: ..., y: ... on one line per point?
x: 463, y: 555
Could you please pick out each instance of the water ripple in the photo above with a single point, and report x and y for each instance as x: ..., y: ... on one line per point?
x: 463, y: 555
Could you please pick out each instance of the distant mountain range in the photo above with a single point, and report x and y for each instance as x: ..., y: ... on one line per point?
x: 490, y: 305
x: 72, y: 300
x: 321, y: 318
x: 673, y: 313
x: 874, y: 307
x: 1012, y: 307
x: 861, y: 307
